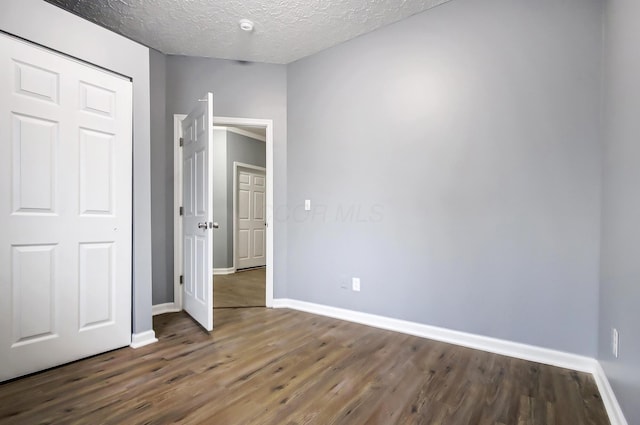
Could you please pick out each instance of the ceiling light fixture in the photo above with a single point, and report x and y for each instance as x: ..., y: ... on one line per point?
x: 246, y: 25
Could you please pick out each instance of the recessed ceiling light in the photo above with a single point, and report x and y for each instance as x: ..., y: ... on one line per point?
x: 246, y: 25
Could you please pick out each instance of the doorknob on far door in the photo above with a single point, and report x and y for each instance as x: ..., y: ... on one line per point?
x: 203, y: 225
x: 214, y: 225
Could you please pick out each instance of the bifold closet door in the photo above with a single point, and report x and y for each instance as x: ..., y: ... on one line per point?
x: 65, y: 209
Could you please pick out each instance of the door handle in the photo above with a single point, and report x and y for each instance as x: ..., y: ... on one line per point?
x: 208, y: 225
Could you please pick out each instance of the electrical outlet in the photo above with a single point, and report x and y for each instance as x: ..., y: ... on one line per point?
x: 307, y: 204
x: 355, y: 284
x: 615, y: 342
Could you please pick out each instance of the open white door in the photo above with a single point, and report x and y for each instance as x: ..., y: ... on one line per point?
x: 197, y: 200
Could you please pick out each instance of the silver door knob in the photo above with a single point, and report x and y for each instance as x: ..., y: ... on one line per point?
x: 203, y: 225
x: 215, y: 225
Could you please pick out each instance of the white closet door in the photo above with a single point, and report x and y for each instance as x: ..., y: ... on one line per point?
x: 65, y: 209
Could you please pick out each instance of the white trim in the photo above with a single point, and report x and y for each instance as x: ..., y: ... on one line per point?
x: 177, y: 201
x: 478, y: 342
x: 177, y: 198
x: 164, y: 308
x: 237, y: 165
x: 241, y: 132
x: 228, y: 270
x: 143, y: 338
x: 616, y: 417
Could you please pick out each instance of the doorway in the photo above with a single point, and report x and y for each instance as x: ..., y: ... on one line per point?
x: 249, y: 218
x: 240, y: 249
x: 235, y: 285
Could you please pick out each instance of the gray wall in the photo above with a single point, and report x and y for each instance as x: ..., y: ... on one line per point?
x: 52, y: 27
x: 220, y: 249
x: 240, y: 90
x: 161, y: 151
x: 620, y: 268
x: 247, y: 151
x: 453, y: 162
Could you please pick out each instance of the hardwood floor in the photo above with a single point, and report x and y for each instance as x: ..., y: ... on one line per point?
x: 282, y: 367
x: 241, y: 289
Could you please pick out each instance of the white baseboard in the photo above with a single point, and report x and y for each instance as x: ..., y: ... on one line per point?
x: 164, y: 308
x: 478, y: 342
x: 616, y: 417
x: 229, y: 270
x: 143, y: 338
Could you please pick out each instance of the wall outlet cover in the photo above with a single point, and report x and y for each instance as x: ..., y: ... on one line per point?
x: 355, y: 284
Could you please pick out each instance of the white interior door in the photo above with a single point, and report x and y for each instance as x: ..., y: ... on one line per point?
x: 65, y: 209
x: 197, y: 226
x: 251, y: 219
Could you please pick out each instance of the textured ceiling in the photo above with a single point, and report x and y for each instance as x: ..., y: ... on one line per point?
x: 285, y: 30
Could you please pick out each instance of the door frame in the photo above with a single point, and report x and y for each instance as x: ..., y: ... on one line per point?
x: 267, y: 124
x: 236, y: 166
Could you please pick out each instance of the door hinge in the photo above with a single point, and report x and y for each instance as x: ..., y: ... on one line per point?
x: 181, y: 141
x: 181, y: 279
x: 181, y: 210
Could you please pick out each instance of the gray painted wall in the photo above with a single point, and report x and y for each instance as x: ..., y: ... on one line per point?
x: 620, y: 268
x: 220, y: 200
x: 247, y: 151
x: 452, y: 160
x: 55, y: 28
x: 161, y: 218
x: 240, y: 90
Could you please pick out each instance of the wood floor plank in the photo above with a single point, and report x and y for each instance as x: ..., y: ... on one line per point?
x: 245, y: 288
x: 534, y: 411
x: 274, y: 367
